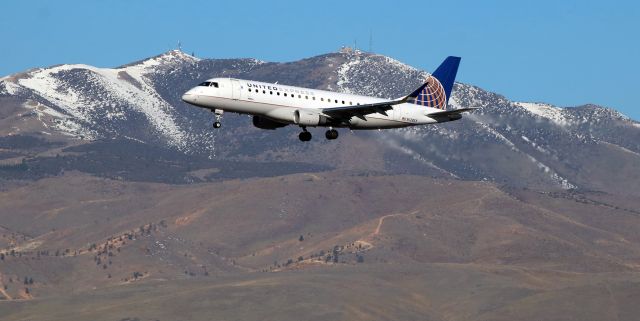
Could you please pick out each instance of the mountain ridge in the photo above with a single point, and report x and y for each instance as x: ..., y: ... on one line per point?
x: 548, y: 146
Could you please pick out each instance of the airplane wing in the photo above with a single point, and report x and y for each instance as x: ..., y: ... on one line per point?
x: 360, y: 111
x: 346, y: 112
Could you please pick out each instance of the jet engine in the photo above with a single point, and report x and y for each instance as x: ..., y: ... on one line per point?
x: 305, y: 117
x: 266, y: 123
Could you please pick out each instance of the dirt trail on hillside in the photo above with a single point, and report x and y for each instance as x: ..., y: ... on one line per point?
x: 381, y: 221
x: 368, y: 240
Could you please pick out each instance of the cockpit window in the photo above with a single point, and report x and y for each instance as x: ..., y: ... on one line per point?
x: 209, y: 84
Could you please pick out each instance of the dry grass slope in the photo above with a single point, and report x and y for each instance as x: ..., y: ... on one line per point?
x: 372, y: 247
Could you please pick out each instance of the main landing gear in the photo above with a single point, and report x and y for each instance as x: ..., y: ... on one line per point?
x: 331, y: 134
x: 218, y: 113
x: 305, y: 136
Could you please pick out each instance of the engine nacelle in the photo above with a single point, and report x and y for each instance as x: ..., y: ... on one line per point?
x: 304, y: 117
x: 266, y: 123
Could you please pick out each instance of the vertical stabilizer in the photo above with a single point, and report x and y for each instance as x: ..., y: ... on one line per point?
x: 435, y: 92
x: 446, y: 74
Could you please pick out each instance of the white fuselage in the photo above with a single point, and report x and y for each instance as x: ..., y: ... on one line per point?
x: 279, y: 103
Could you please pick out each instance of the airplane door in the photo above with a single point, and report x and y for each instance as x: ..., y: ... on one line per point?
x: 235, y: 89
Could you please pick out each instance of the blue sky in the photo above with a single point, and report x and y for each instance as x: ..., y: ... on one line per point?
x: 562, y: 52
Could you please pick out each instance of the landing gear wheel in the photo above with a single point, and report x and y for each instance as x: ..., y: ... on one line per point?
x: 218, y: 113
x: 305, y: 136
x: 331, y: 134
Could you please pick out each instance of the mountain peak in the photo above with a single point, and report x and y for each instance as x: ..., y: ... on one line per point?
x: 178, y: 54
x: 174, y: 56
x: 598, y: 111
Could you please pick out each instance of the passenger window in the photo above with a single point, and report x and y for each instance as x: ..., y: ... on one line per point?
x: 264, y: 91
x: 299, y: 96
x: 336, y: 101
x: 271, y: 93
x: 343, y: 102
x: 321, y: 99
x: 350, y: 103
x: 314, y: 98
x: 306, y: 97
x: 278, y: 93
x: 285, y: 94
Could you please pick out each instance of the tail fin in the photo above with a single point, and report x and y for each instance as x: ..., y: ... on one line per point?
x: 437, y: 90
x: 446, y: 73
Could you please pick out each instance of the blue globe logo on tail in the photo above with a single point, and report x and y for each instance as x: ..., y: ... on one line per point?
x: 435, y: 92
x: 432, y: 95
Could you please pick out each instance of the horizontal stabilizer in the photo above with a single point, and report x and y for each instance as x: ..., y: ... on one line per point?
x: 452, y: 112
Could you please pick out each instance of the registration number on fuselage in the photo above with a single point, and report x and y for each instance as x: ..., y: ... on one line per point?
x: 411, y: 120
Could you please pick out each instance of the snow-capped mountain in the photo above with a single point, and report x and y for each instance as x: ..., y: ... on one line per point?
x: 91, y: 103
x: 516, y: 143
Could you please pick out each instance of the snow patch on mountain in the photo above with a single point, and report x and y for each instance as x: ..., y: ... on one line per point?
x: 343, y: 76
x: 361, y: 71
x: 402, y: 67
x: 172, y: 57
x: 64, y: 124
x: 8, y: 87
x: 561, y: 181
x: 116, y: 95
x: 536, y: 146
x: 44, y: 83
x: 454, y: 103
x: 497, y: 135
x: 553, y: 113
x: 394, y: 140
x: 416, y: 156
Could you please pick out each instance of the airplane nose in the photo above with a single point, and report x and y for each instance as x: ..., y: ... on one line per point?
x: 188, y: 98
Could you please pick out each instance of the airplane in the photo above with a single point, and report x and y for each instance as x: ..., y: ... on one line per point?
x: 274, y: 105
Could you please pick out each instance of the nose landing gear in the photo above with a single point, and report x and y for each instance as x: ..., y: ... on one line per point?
x: 218, y: 113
